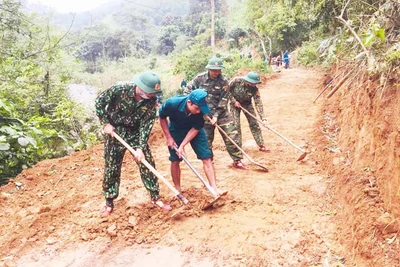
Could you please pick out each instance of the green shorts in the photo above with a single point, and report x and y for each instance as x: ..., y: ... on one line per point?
x: 199, y: 145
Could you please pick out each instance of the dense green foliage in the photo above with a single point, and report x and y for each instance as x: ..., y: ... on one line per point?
x: 369, y: 38
x: 137, y: 30
x: 335, y: 23
x: 37, y: 119
x: 235, y: 63
x: 192, y: 61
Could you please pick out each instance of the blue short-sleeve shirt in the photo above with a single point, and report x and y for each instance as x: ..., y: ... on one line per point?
x: 180, y: 122
x: 179, y: 119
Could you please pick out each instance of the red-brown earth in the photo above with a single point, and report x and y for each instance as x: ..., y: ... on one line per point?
x: 284, y: 217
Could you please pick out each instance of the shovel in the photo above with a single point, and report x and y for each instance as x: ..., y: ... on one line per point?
x: 206, y: 184
x: 153, y: 170
x: 238, y: 147
x: 302, y: 156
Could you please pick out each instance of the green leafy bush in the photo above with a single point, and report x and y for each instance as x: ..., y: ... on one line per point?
x: 22, y: 144
x: 308, y: 53
x: 192, y: 61
x: 233, y: 63
x: 18, y: 147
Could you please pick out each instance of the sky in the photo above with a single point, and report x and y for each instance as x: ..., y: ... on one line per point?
x: 66, y: 6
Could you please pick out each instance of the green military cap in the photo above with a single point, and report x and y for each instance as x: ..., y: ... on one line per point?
x: 215, y: 64
x: 148, y: 82
x: 252, y: 77
x: 199, y: 98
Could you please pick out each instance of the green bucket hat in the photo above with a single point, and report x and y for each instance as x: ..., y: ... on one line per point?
x: 215, y: 64
x: 252, y: 77
x: 148, y: 82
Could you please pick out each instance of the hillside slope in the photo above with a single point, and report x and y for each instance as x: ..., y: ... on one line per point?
x: 362, y: 156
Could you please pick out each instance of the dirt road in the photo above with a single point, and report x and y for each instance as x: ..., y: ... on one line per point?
x: 50, y: 216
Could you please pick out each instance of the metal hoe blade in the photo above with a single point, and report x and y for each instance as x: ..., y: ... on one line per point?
x: 211, y: 204
x: 206, y: 184
x: 154, y: 171
x: 302, y: 156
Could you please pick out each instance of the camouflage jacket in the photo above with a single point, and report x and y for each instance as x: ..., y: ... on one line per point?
x: 119, y: 107
x: 239, y: 91
x: 217, y: 90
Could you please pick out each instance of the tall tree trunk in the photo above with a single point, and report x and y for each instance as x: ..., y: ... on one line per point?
x: 213, y: 26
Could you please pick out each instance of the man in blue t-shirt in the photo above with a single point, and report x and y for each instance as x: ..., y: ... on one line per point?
x: 186, y: 121
x: 286, y: 59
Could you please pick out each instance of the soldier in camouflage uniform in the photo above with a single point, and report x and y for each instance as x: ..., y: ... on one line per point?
x: 242, y: 91
x: 217, y: 88
x: 129, y: 109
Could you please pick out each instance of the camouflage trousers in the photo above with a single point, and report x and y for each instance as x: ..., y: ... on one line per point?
x: 113, y: 154
x: 225, y: 121
x: 253, y: 124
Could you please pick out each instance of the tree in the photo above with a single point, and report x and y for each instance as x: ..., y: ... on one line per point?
x: 37, y: 120
x: 102, y: 45
x: 237, y: 34
x: 213, y: 26
x: 287, y: 23
x: 167, y: 39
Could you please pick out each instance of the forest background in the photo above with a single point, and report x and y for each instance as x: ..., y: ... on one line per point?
x: 43, y: 53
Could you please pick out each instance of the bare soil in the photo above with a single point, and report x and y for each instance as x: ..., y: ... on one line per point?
x: 284, y: 217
